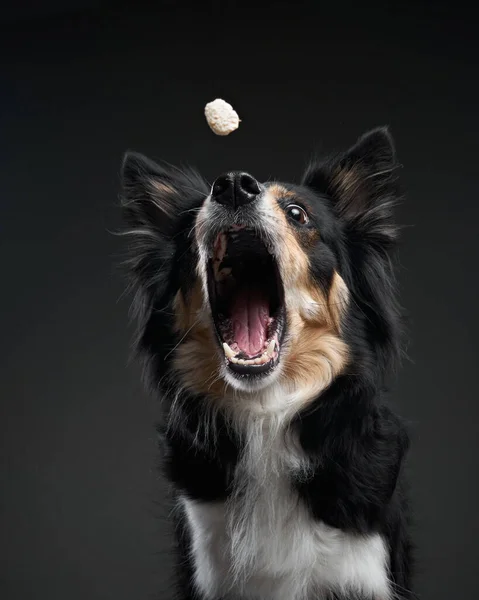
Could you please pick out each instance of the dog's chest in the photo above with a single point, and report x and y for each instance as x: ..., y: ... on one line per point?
x: 263, y: 544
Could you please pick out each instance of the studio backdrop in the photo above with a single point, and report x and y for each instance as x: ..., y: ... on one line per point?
x: 84, y: 513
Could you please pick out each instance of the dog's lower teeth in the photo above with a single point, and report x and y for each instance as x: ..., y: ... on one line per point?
x: 268, y: 354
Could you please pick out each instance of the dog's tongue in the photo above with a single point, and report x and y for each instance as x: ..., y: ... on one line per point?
x: 250, y: 316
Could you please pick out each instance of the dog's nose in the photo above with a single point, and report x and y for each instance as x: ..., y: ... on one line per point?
x: 235, y: 189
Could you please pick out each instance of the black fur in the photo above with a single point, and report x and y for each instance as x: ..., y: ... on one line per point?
x: 355, y: 441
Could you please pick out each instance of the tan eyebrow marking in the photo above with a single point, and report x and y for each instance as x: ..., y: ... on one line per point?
x: 278, y: 191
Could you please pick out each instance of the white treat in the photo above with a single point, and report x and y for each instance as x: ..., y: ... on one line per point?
x: 221, y: 117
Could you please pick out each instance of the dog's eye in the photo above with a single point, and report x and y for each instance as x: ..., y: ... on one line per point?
x: 298, y: 214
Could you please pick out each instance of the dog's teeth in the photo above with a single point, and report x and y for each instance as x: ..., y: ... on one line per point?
x: 270, y: 348
x: 228, y: 352
x: 260, y: 360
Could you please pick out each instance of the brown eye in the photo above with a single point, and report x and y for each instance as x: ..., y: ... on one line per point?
x: 298, y: 214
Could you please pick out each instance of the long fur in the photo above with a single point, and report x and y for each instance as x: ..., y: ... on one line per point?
x: 294, y: 492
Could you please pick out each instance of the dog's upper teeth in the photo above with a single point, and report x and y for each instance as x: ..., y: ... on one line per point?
x: 270, y: 348
x: 228, y: 351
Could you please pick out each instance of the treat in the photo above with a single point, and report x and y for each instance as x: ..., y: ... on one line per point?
x: 221, y: 117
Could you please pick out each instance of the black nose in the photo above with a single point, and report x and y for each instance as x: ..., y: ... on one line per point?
x: 235, y: 189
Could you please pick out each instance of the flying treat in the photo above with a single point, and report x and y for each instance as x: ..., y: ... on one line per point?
x: 221, y: 117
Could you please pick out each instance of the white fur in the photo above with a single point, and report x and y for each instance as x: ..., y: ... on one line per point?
x: 263, y: 543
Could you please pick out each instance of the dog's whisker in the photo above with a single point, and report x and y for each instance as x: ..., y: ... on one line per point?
x: 182, y: 338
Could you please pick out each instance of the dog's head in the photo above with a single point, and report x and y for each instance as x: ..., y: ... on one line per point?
x: 248, y: 286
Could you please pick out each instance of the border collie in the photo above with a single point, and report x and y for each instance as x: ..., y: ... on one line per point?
x: 269, y: 325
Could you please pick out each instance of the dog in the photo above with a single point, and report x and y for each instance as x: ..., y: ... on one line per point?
x: 269, y: 326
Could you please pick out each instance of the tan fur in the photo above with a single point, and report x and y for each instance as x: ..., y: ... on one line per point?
x: 316, y: 355
x: 187, y: 310
x: 164, y: 196
x: 279, y: 191
x: 338, y: 300
x: 293, y: 260
x: 197, y: 357
x: 197, y: 362
x: 347, y: 180
x: 349, y: 183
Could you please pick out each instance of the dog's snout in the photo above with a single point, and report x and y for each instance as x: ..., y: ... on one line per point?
x: 235, y: 189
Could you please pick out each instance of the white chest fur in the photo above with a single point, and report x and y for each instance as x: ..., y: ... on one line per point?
x: 263, y: 544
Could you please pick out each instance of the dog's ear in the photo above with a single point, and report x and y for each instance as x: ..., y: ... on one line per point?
x: 150, y: 197
x: 154, y: 196
x: 158, y: 205
x: 362, y: 184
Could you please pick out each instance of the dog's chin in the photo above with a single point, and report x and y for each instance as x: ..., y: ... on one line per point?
x: 250, y: 383
x: 251, y: 378
x: 246, y: 298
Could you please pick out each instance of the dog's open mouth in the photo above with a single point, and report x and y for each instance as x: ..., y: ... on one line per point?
x: 247, y: 302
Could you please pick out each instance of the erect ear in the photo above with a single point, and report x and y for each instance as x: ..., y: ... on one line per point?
x: 362, y: 184
x: 155, y: 196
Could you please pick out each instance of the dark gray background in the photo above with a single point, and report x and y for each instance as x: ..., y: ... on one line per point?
x: 82, y: 510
